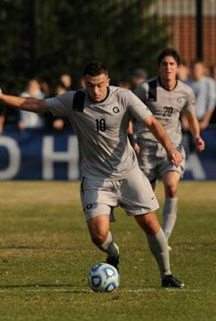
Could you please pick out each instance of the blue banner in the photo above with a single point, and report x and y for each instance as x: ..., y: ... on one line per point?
x: 202, y: 166
x: 36, y: 154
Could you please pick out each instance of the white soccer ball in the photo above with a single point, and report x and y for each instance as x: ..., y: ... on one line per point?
x: 103, y: 277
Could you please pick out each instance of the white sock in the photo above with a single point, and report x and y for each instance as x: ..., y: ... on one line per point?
x: 169, y: 215
x: 109, y: 246
x: 159, y: 248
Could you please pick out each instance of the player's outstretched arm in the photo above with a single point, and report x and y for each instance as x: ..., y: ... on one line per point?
x: 28, y: 104
x: 159, y: 132
x: 195, y: 131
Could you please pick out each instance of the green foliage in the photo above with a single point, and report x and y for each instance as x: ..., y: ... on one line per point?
x: 126, y: 34
x: 13, y: 47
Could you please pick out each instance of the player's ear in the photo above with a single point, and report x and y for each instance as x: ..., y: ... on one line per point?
x: 108, y: 80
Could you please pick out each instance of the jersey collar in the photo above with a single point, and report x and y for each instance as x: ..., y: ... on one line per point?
x: 101, y: 101
x: 160, y: 82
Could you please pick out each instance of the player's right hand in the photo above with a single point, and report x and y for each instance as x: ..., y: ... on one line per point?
x: 175, y: 158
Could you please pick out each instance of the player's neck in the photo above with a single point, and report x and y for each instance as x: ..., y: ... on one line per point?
x: 168, y: 84
x: 104, y: 98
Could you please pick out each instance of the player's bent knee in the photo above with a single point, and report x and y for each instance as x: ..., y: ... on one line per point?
x: 171, y: 189
x: 99, y: 228
x: 148, y: 222
x: 171, y: 182
x: 99, y: 237
x: 172, y: 193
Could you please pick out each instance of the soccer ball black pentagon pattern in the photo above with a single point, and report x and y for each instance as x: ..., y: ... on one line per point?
x: 103, y: 277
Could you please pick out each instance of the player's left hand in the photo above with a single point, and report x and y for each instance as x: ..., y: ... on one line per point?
x: 175, y: 158
x: 200, y: 144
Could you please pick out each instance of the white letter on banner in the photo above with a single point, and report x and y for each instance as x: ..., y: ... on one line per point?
x: 71, y: 156
x: 14, y: 158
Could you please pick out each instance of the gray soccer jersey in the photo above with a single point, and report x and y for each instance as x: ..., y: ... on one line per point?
x: 102, y: 129
x: 166, y: 106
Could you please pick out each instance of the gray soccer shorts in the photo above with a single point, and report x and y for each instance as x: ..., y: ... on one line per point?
x: 133, y: 193
x: 154, y: 163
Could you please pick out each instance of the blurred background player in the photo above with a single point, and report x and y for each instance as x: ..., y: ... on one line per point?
x: 183, y: 72
x: 60, y: 89
x: 138, y: 76
x: 205, y: 93
x: 58, y: 124
x: 28, y: 119
x: 66, y: 81
x: 166, y: 97
x: 212, y: 73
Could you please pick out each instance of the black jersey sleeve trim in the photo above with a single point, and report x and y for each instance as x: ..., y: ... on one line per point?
x: 152, y: 90
x: 78, y: 101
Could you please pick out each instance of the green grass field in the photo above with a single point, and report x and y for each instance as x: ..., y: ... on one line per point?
x: 45, y: 253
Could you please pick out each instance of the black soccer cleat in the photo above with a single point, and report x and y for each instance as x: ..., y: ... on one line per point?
x: 114, y: 261
x: 170, y: 282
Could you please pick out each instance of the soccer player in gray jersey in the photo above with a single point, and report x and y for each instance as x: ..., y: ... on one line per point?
x: 167, y: 98
x: 111, y: 175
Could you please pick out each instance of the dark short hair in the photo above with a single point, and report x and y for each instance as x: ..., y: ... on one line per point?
x: 95, y: 68
x: 171, y: 52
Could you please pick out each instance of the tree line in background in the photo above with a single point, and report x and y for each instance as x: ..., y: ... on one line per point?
x: 64, y: 35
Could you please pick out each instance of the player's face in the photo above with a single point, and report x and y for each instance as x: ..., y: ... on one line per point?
x: 168, y: 69
x: 97, y: 86
x: 198, y: 71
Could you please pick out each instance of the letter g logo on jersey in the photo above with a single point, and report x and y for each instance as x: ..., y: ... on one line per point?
x: 182, y: 100
x: 115, y: 110
x: 89, y: 206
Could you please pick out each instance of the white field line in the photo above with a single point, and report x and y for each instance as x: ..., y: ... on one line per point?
x: 38, y: 289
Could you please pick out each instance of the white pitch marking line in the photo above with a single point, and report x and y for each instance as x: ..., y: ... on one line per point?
x: 82, y: 290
